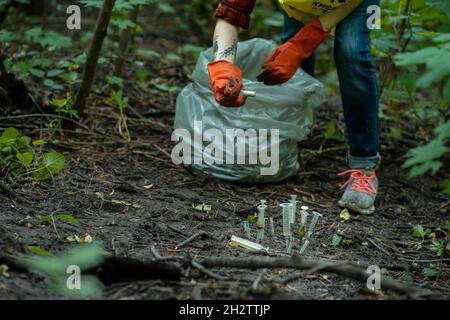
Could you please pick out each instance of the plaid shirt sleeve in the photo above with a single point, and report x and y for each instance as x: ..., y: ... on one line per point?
x: 236, y: 12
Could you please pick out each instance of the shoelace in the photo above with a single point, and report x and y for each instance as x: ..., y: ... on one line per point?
x: 362, y: 182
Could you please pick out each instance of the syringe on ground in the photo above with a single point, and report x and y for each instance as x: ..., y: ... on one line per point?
x: 287, y: 211
x: 261, y: 223
x: 310, y: 231
x: 303, y: 220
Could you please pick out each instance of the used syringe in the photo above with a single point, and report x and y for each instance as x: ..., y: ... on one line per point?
x: 303, y: 220
x: 294, y: 207
x: 287, y: 209
x: 313, y: 223
x: 310, y: 232
x: 261, y: 223
x: 248, y: 93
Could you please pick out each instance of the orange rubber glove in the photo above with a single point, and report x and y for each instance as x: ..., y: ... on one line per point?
x: 226, y: 83
x: 284, y: 61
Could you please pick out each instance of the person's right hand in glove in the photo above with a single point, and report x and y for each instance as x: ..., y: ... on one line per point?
x: 226, y: 83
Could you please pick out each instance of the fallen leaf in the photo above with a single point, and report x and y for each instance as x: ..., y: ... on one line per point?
x: 202, y: 207
x: 336, y: 240
x: 148, y: 186
x: 38, y: 250
x: 86, y: 239
x: 121, y: 202
x: 345, y: 215
x: 4, y: 270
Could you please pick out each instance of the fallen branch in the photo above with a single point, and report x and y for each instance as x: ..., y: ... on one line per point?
x: 345, y: 269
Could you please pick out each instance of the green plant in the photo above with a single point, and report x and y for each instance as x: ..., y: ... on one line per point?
x: 337, y: 240
x: 429, y: 157
x: 65, y: 217
x: 419, y: 232
x: 57, y: 268
x: 331, y: 134
x: 117, y: 99
x: 19, y: 155
x: 431, y: 271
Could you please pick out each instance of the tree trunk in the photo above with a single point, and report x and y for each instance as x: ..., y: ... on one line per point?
x: 93, y: 55
x: 124, y: 41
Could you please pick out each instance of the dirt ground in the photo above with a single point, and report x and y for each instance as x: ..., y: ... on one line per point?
x: 163, y: 215
x: 157, y: 198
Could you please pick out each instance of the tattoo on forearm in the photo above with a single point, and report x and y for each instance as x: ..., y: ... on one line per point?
x: 215, y: 47
x: 228, y: 52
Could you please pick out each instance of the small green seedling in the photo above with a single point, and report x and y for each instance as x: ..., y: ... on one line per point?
x: 202, y: 207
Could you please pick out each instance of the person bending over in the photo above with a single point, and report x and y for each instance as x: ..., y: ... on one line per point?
x: 307, y: 24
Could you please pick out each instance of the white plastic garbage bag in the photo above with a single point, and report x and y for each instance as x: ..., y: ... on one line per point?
x: 255, y: 143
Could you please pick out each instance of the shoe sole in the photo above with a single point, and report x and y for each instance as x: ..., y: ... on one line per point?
x: 353, y: 207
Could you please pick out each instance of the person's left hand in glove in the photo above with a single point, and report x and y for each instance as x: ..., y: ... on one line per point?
x: 284, y: 61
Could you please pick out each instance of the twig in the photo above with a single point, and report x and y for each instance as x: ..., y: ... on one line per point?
x: 202, y: 269
x: 155, y: 252
x: 54, y: 224
x: 195, y: 236
x: 378, y: 247
x: 258, y: 279
x: 7, y: 189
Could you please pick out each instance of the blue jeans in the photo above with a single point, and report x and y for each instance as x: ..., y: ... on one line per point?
x: 357, y: 80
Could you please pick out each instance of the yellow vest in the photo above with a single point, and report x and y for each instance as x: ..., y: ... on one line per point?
x: 307, y: 10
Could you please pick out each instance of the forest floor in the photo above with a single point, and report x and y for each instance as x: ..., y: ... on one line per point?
x: 154, y: 206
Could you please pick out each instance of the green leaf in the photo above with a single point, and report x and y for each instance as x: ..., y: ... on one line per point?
x: 252, y: 217
x: 46, y: 219
x: 165, y: 7
x: 91, y: 287
x: 39, y: 142
x: 336, y: 240
x: 113, y: 80
x: 85, y: 256
x: 59, y: 103
x: 202, y: 207
x: 9, y: 137
x: 430, y: 271
x: 438, y: 247
x: 68, y: 218
x: 447, y: 225
x: 38, y: 250
x: 419, y: 232
x: 447, y: 91
x: 37, y: 72
x: 331, y: 129
x: 25, y: 158
x: 422, y: 159
x: 48, y: 38
x: 71, y: 238
x: 23, y: 142
x: 54, y: 73
x: 52, y: 84
x: 10, y: 133
x: 51, y: 163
